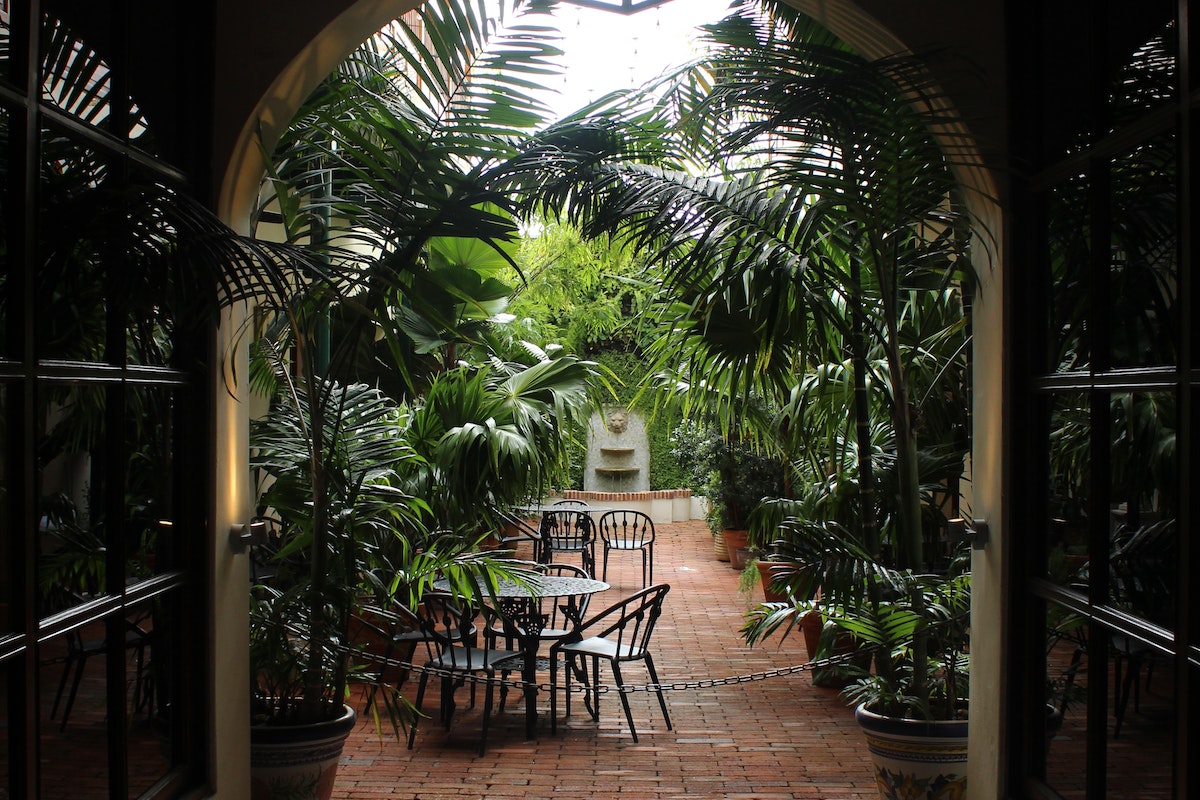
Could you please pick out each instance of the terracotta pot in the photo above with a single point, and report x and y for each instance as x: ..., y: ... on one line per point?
x: 737, y: 543
x: 298, y: 762
x: 811, y: 625
x: 766, y: 577
x: 843, y: 673
x: 916, y: 758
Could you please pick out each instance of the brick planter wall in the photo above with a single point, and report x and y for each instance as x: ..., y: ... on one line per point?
x: 663, y: 505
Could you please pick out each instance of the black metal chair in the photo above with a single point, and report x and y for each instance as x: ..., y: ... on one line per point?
x: 569, y: 531
x: 79, y: 650
x: 383, y: 638
x: 619, y: 634
x: 448, y: 636
x: 519, y: 532
x: 628, y: 531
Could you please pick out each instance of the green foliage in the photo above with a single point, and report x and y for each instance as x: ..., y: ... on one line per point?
x: 666, y: 470
x: 735, y: 475
x: 393, y: 176
x: 494, y: 436
x: 589, y: 295
x: 915, y: 625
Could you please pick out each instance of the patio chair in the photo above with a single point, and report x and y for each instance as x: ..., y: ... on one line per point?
x: 619, y: 634
x: 569, y: 531
x: 628, y: 531
x: 384, y: 637
x: 137, y: 639
x: 448, y: 636
x: 519, y: 532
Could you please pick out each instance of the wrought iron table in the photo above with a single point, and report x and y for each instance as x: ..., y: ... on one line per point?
x: 519, y: 605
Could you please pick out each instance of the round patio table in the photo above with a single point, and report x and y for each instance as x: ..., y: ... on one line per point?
x: 518, y: 605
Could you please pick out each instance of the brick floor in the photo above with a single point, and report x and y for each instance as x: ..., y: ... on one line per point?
x: 769, y: 739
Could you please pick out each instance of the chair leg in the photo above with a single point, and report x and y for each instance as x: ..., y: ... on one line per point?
x: 591, y: 697
x: 75, y: 681
x: 616, y: 670
x: 487, y: 713
x: 554, y: 691
x: 662, y: 701
x: 62, y: 684
x: 139, y: 682
x: 604, y: 577
x: 412, y: 731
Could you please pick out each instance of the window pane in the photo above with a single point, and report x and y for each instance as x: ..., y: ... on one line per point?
x: 7, y: 562
x: 73, y: 248
x: 1141, y: 740
x: 78, y: 80
x: 148, y: 483
x: 5, y: 267
x: 74, y: 729
x: 1144, y: 495
x: 1069, y: 473
x: 72, y: 544
x: 5, y: 66
x: 1066, y: 696
x: 1067, y: 283
x: 1143, y: 62
x: 149, y: 703
x: 1142, y: 328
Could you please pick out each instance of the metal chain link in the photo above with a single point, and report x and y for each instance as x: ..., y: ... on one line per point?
x: 676, y: 686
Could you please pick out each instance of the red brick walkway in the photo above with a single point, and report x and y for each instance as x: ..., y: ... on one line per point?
x: 767, y: 740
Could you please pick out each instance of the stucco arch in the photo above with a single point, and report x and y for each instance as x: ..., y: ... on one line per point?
x: 240, y: 178
x: 314, y: 60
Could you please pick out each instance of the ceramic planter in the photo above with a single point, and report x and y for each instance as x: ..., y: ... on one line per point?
x: 719, y: 549
x: 916, y: 759
x: 298, y: 762
x: 737, y: 543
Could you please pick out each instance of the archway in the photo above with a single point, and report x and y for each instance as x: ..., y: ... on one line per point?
x: 865, y: 32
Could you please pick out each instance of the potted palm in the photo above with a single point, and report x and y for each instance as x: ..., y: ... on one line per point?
x: 353, y: 474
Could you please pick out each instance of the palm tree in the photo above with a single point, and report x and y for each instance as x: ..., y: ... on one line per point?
x: 829, y: 214
x: 386, y: 174
x: 833, y: 205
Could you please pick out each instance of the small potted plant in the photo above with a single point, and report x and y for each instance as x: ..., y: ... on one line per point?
x: 740, y: 476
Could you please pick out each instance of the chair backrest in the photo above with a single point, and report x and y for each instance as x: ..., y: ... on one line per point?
x: 570, y: 503
x: 568, y: 530
x: 449, y: 631
x: 564, y: 613
x: 630, y: 623
x: 631, y: 528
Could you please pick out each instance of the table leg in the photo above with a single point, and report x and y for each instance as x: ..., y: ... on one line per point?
x: 529, y: 645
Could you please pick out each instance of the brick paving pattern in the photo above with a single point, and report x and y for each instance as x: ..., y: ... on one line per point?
x: 771, y: 739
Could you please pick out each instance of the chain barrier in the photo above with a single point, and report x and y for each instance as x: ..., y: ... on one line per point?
x: 676, y: 686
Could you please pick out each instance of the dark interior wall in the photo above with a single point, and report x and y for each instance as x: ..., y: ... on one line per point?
x: 254, y: 43
x: 966, y: 43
